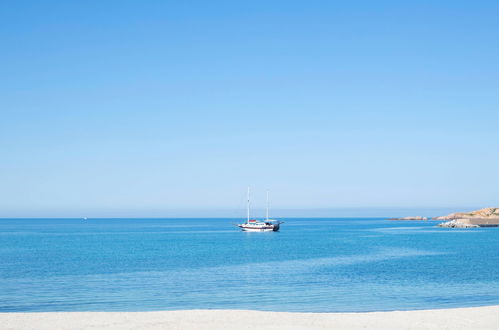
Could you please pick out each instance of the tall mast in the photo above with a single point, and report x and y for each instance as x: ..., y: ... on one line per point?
x: 267, y: 213
x: 248, y: 209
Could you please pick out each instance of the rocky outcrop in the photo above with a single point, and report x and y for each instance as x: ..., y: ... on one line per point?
x: 487, y: 213
x: 410, y: 218
x: 488, y: 217
x: 457, y: 224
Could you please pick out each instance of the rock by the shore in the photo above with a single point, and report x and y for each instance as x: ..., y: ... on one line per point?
x: 410, y: 218
x: 457, y: 224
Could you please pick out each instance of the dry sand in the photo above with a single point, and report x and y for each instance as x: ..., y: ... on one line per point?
x: 462, y: 318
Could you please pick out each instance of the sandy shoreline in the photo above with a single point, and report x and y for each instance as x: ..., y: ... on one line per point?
x: 461, y: 318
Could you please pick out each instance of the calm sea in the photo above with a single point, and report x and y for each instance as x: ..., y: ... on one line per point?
x: 312, y: 265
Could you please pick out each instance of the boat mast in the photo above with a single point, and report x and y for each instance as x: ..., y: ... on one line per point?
x: 267, y: 213
x: 248, y: 208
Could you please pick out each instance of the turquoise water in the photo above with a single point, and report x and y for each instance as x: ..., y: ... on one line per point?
x: 312, y: 265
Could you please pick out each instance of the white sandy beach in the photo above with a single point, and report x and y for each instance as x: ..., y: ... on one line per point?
x: 462, y: 318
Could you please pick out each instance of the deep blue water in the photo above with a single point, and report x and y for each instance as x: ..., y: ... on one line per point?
x: 312, y: 265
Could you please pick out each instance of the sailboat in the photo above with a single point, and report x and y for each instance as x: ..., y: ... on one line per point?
x: 257, y: 225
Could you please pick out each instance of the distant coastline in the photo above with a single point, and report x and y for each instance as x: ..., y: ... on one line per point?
x: 491, y: 213
x: 419, y: 218
x: 486, y: 217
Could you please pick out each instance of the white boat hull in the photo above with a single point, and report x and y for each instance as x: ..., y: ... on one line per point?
x: 260, y: 226
x: 257, y: 229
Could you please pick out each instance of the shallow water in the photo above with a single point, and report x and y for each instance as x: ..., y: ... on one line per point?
x: 312, y: 265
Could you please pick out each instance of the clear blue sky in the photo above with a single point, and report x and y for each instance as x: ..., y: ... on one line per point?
x: 129, y: 108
